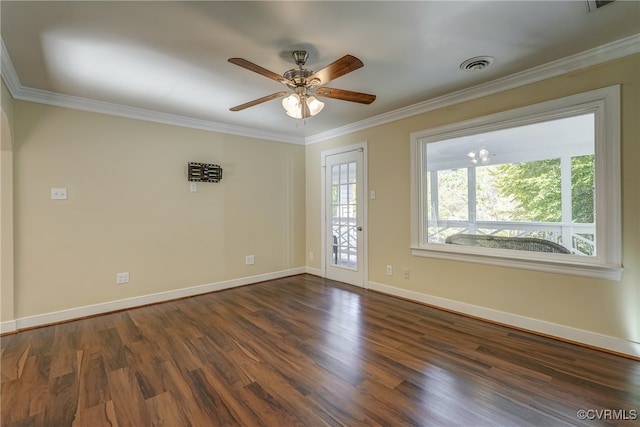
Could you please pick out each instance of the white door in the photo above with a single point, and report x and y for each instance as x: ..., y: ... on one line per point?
x: 344, y: 217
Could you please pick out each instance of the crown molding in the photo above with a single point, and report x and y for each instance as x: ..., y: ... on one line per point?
x: 611, y: 51
x: 598, y: 55
x: 9, y: 74
x: 22, y: 93
x: 85, y: 104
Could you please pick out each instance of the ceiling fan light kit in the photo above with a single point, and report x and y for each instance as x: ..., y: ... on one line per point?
x: 293, y: 105
x: 301, y: 103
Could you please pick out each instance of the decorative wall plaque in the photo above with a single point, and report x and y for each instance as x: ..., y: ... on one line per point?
x: 204, y: 172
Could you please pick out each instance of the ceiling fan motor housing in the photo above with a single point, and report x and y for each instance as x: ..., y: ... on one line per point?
x: 298, y: 75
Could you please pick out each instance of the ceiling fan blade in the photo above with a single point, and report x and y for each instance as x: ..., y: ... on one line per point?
x: 258, y: 101
x: 342, y: 66
x: 345, y: 95
x: 262, y: 71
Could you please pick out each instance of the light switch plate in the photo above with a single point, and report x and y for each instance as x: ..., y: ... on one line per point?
x: 58, y: 194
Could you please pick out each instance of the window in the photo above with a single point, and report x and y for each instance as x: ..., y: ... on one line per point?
x: 537, y: 187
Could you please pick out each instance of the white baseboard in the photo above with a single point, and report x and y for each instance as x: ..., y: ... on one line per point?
x: 315, y: 271
x: 95, y: 309
x: 579, y: 336
x: 7, y: 327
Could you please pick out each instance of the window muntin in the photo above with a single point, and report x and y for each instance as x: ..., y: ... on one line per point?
x: 596, y: 239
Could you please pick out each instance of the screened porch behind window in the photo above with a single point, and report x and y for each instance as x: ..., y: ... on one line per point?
x: 534, y: 181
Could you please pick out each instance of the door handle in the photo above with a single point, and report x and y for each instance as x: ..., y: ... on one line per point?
x: 359, y: 228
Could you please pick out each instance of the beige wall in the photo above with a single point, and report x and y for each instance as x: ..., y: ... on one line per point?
x: 6, y: 206
x: 599, y: 306
x: 129, y: 208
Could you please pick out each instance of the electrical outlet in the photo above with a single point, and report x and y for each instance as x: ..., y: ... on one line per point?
x: 406, y: 273
x: 250, y: 260
x: 389, y: 270
x: 311, y: 256
x: 193, y: 187
x: 122, y: 278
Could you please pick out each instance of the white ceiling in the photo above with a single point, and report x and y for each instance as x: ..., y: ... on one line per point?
x: 171, y: 57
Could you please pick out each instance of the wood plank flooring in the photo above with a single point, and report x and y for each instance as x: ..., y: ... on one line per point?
x: 305, y: 351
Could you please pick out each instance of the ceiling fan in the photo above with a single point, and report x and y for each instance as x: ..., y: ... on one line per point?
x: 304, y: 84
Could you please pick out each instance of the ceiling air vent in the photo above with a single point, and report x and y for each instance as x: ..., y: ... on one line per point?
x: 476, y: 64
x: 593, y: 5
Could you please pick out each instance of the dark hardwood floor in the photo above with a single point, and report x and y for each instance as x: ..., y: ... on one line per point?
x: 311, y: 352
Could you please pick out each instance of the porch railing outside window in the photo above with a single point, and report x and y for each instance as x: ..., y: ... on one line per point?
x: 578, y: 238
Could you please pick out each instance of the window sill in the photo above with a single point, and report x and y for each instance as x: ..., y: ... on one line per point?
x: 550, y: 263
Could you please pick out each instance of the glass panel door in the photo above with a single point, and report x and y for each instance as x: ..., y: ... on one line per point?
x: 343, y: 184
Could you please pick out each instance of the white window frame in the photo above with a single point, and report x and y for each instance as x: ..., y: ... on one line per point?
x: 605, y: 104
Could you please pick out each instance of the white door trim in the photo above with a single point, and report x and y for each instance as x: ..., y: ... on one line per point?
x: 362, y: 146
